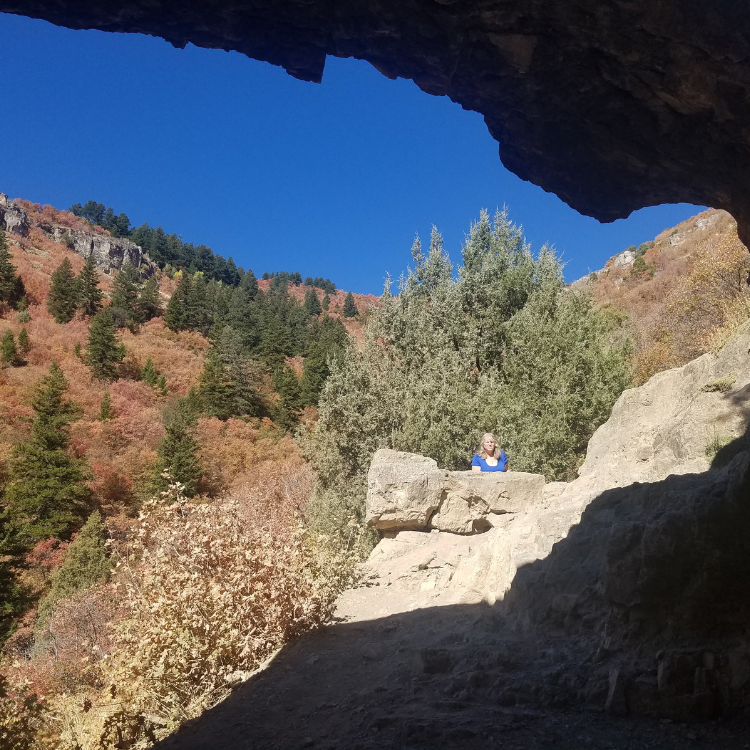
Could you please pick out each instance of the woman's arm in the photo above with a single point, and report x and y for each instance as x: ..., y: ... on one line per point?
x: 476, y: 468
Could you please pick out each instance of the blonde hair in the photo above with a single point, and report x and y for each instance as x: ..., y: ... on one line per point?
x: 482, y: 453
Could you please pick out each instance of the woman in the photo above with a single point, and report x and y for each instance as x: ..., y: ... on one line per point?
x: 489, y: 456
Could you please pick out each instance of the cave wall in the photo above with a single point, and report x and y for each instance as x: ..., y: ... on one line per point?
x: 611, y: 105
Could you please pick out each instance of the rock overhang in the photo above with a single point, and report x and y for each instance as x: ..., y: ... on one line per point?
x: 612, y: 106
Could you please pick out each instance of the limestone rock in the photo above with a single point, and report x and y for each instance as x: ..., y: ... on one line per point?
x: 12, y: 217
x: 111, y: 253
x: 403, y: 490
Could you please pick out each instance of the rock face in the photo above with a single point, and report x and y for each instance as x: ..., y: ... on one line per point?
x: 12, y: 217
x: 110, y: 253
x: 406, y: 491
x: 644, y: 557
x: 612, y: 106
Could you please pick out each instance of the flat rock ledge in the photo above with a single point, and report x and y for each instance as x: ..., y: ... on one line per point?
x: 408, y: 492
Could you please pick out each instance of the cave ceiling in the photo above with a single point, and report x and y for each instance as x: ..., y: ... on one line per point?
x: 611, y: 104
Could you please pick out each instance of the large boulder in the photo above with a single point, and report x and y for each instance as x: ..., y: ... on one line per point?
x: 409, y: 492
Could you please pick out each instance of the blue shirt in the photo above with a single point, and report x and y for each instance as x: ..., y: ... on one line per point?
x: 502, y: 462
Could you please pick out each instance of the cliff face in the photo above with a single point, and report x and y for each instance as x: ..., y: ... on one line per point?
x: 644, y: 554
x: 612, y: 106
x: 110, y: 253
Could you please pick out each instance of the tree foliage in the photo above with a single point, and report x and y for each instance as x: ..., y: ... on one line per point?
x: 11, y: 286
x: 46, y: 494
x: 500, y: 346
x: 104, y: 352
x: 62, y: 300
x: 89, y: 295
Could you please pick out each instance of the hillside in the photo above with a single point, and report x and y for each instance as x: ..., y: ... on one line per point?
x: 684, y: 293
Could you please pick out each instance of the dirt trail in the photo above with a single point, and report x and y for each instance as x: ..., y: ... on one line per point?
x: 446, y: 677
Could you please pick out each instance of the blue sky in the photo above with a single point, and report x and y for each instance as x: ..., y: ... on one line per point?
x: 330, y: 180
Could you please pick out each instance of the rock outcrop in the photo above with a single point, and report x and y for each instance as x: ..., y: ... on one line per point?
x: 644, y: 556
x: 110, y: 253
x: 12, y: 217
x: 612, y: 106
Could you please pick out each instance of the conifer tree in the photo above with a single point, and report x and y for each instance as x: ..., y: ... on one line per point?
x: 62, y: 299
x: 250, y: 284
x: 104, y: 352
x: 287, y: 385
x: 216, y: 390
x: 8, y: 351
x: 176, y: 312
x: 89, y: 295
x: 86, y: 563
x: 149, y: 302
x: 149, y: 373
x: 350, y: 308
x: 11, y: 286
x: 105, y: 408
x: 23, y: 341
x: 161, y: 384
x: 178, y: 453
x: 326, y: 301
x: 312, y: 304
x: 46, y: 494
x: 125, y: 289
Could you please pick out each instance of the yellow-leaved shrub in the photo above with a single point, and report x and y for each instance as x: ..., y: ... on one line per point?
x: 208, y: 599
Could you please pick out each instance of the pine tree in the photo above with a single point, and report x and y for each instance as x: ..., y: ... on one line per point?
x: 105, y: 408
x: 125, y: 297
x: 216, y: 391
x: 178, y: 453
x: 46, y: 494
x: 23, y: 341
x: 105, y: 352
x: 11, y: 286
x: 161, y: 384
x: 89, y: 295
x: 326, y: 301
x: 8, y: 351
x: 149, y: 302
x: 312, y: 304
x: 287, y: 385
x: 62, y: 299
x: 350, y: 309
x: 149, y: 373
x: 86, y: 563
x: 175, y: 314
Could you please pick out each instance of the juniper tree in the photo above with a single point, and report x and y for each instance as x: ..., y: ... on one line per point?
x: 46, y: 494
x: 24, y: 344
x: 350, y: 308
x: 104, y: 350
x: 62, y: 300
x: 11, y: 285
x: 105, y: 408
x: 8, y: 351
x: 89, y: 295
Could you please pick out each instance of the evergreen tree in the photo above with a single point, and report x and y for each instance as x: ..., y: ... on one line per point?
x: 287, y: 385
x: 8, y: 351
x: 46, y: 494
x: 86, y: 563
x: 149, y: 373
x: 11, y: 286
x: 326, y: 301
x: 175, y: 315
x: 105, y: 352
x: 161, y: 384
x: 149, y: 301
x: 178, y: 453
x: 105, y: 408
x: 62, y: 299
x: 23, y: 341
x: 215, y: 389
x: 89, y: 295
x: 312, y: 304
x: 125, y: 287
x: 350, y: 309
